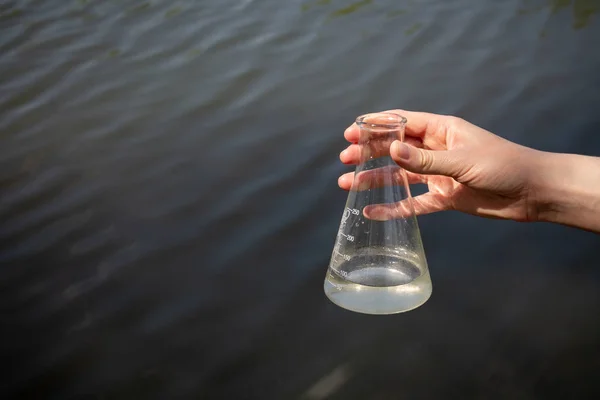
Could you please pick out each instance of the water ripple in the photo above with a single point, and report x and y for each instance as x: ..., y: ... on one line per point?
x: 168, y: 175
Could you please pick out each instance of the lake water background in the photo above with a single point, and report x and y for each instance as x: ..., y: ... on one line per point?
x: 169, y: 199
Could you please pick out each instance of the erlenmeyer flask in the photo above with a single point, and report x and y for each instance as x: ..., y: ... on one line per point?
x: 378, y: 264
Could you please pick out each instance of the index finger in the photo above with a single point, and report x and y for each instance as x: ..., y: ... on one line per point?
x: 419, y: 124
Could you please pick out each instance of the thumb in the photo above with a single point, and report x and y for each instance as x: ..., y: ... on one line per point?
x: 429, y: 162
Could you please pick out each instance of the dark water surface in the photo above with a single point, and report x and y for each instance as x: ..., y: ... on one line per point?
x: 169, y: 199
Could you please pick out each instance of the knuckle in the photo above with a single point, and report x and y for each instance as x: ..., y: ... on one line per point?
x: 454, y: 123
x: 456, y: 120
x: 426, y: 160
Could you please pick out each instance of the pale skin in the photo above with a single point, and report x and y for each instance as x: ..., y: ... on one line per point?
x: 472, y: 170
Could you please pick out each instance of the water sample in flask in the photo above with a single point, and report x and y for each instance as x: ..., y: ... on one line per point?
x: 378, y: 263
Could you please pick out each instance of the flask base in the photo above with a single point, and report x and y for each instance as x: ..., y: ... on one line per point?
x: 378, y: 300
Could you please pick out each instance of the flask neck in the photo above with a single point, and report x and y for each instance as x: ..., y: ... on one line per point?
x: 377, y: 132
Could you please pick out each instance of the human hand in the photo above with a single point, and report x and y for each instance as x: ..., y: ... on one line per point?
x: 465, y: 167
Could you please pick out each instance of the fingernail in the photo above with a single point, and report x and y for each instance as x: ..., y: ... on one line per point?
x: 402, y: 151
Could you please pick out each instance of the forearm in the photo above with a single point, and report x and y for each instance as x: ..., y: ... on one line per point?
x: 567, y: 190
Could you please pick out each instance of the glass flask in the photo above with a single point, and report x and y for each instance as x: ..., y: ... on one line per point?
x: 378, y: 264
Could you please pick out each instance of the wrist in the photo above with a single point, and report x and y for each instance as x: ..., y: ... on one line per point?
x: 566, y: 189
x: 548, y: 186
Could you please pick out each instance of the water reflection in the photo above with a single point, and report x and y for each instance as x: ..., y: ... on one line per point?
x: 173, y: 12
x: 413, y: 28
x: 350, y: 8
x: 583, y: 10
x: 336, y: 10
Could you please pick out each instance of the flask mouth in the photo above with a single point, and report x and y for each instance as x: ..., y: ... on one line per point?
x: 381, y: 121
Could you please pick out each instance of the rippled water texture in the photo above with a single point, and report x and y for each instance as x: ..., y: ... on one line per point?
x: 169, y: 199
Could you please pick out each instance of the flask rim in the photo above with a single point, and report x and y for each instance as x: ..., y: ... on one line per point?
x: 396, y: 121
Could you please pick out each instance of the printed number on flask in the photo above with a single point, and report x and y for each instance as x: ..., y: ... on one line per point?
x: 349, y: 238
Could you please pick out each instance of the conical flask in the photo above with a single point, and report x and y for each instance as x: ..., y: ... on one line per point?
x: 378, y: 263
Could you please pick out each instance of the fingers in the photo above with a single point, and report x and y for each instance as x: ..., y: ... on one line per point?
x: 424, y: 204
x: 376, y: 178
x: 451, y: 163
x: 419, y: 125
x: 355, y: 153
